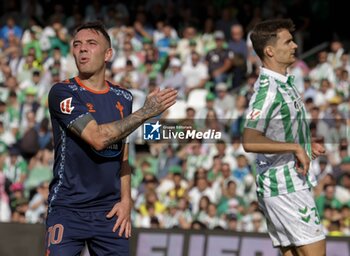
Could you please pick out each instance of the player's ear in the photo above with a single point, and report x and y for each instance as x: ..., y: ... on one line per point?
x: 268, y: 51
x: 108, y: 54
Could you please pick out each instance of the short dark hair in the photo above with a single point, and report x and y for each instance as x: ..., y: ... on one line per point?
x: 97, y: 26
x: 266, y: 32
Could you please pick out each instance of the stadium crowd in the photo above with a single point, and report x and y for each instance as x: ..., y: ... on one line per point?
x: 209, y: 59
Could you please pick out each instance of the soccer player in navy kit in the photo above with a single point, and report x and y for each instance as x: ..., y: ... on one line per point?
x: 90, y: 201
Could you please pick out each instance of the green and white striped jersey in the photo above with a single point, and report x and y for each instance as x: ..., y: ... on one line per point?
x: 277, y: 110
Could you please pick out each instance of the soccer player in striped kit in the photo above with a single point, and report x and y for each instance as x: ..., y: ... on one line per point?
x: 277, y: 130
x: 90, y: 197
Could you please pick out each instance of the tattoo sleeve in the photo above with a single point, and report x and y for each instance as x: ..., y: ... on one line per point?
x: 118, y: 130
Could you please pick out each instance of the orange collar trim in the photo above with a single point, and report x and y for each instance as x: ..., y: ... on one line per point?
x: 79, y: 82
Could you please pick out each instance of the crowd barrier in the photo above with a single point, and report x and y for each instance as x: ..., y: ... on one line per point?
x: 28, y: 239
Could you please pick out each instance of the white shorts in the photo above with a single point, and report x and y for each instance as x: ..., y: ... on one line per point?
x: 292, y: 219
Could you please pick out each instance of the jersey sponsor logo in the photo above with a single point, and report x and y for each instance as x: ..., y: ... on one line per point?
x: 90, y: 107
x: 254, y: 114
x: 111, y: 151
x: 66, y: 106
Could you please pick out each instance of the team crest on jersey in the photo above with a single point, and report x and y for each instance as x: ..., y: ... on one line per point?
x: 254, y: 114
x: 66, y: 106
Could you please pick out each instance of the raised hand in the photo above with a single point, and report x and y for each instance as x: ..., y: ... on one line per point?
x: 158, y: 101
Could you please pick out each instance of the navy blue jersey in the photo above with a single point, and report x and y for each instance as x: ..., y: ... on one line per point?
x: 84, y: 178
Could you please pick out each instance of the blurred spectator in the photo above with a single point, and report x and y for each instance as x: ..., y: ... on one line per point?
x: 325, y: 94
x: 254, y: 222
x: 168, y: 162
x: 232, y: 222
x: 151, y: 199
x: 60, y: 38
x: 5, y: 211
x: 10, y: 29
x: 37, y: 207
x: 322, y: 71
x: 148, y: 186
x: 197, y: 225
x: 183, y: 46
x: 39, y: 169
x: 334, y: 229
x: 194, y: 156
x: 200, y: 188
x: 163, y: 44
x: 142, y: 26
x: 224, y: 100
x: 212, y: 220
x: 159, y: 32
x: 195, y: 73
x: 226, y: 20
x: 207, y: 36
x: 230, y: 202
x: 238, y: 46
x: 327, y: 199
x: 15, y: 167
x: 33, y: 43
x: 336, y: 51
x: 219, y: 60
x: 119, y: 65
x: 178, y: 188
x: 171, y: 216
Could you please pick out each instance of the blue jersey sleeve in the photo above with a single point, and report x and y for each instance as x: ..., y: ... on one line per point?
x: 65, y: 104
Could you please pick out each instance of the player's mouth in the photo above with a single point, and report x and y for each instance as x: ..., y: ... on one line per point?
x: 83, y: 60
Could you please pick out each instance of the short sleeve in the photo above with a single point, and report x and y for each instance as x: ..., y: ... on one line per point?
x: 65, y: 104
x: 261, y: 107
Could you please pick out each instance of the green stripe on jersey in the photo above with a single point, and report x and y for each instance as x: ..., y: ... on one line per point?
x: 273, y: 182
x: 286, y: 119
x: 258, y: 104
x: 261, y: 189
x: 275, y: 104
x: 289, y: 181
x: 260, y: 97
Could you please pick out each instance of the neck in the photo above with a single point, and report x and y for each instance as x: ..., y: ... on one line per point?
x: 276, y: 67
x: 95, y: 82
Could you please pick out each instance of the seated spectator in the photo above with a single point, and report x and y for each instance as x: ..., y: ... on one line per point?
x: 37, y: 207
x: 201, y: 188
x: 219, y: 60
x: 195, y: 73
x: 15, y: 167
x: 175, y: 79
x: 230, y: 202
x: 327, y: 199
x: 5, y: 210
x: 151, y: 198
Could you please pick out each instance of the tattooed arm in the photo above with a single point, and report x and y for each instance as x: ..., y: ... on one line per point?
x: 101, y: 136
